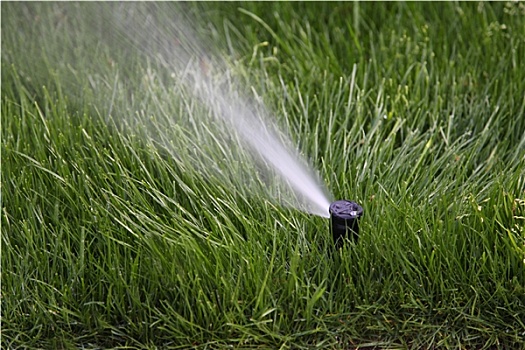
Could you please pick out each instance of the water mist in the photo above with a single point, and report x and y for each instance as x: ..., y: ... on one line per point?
x: 176, y: 47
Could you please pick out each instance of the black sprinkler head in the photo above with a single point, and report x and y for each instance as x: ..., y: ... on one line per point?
x: 344, y: 219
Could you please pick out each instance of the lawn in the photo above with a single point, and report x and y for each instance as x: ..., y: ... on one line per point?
x: 131, y: 218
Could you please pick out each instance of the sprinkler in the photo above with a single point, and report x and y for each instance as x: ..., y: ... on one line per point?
x: 344, y: 219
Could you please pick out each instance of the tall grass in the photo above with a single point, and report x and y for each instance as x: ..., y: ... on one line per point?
x: 415, y: 110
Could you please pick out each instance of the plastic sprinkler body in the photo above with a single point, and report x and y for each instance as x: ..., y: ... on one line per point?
x: 344, y: 219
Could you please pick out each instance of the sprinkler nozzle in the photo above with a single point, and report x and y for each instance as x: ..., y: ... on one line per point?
x: 344, y: 219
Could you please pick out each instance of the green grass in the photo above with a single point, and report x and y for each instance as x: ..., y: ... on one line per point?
x: 415, y: 110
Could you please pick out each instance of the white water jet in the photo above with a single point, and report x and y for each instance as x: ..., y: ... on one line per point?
x: 175, y: 46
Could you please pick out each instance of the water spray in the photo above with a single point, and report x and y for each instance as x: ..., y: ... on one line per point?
x: 344, y: 221
x: 151, y: 28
